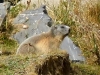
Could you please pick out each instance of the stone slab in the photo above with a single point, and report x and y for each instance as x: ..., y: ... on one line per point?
x: 3, y: 11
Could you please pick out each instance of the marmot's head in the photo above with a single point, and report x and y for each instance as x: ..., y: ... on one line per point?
x: 60, y: 30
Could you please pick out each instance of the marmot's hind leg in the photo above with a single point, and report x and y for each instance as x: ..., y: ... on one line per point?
x: 26, y: 49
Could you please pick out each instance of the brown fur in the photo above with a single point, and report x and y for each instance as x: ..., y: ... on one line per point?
x: 48, y: 42
x: 42, y: 43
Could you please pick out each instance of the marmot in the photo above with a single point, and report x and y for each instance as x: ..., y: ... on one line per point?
x: 44, y: 42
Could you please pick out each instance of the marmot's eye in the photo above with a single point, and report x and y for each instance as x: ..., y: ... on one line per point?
x: 62, y: 26
x: 55, y: 27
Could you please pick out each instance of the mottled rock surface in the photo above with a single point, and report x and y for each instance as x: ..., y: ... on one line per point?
x: 3, y: 11
x: 35, y: 21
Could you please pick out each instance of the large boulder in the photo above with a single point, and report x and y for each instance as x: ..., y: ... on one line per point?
x: 3, y: 11
x: 31, y: 22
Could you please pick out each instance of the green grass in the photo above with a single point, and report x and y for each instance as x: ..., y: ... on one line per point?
x: 83, y: 69
x: 16, y: 10
x: 12, y: 64
x: 9, y: 65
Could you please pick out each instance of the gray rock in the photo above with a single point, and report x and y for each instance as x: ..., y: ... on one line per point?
x: 38, y: 21
x: 74, y: 52
x: 3, y: 11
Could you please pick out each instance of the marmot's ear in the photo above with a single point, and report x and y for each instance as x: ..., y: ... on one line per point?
x: 54, y: 27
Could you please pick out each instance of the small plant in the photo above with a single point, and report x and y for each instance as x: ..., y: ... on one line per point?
x: 7, y: 44
x: 62, y: 14
x: 16, y: 10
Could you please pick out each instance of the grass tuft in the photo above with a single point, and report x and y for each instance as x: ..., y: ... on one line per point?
x: 84, y: 19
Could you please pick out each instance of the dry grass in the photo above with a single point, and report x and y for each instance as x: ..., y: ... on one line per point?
x: 83, y: 69
x: 83, y: 17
